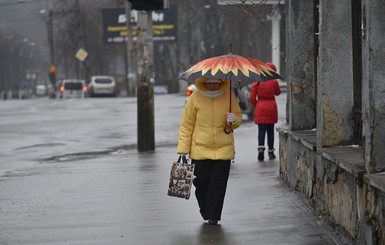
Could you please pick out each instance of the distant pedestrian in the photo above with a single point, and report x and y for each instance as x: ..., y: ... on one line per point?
x: 262, y: 96
x: 202, y: 136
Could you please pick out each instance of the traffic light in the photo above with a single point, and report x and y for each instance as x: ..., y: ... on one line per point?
x: 52, y: 74
x: 149, y: 4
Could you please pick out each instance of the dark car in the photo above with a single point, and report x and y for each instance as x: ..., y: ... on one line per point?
x: 248, y: 107
x: 20, y: 91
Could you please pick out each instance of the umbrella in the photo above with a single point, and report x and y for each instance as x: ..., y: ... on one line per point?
x: 240, y: 70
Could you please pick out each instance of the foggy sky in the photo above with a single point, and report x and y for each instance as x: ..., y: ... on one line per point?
x: 24, y: 19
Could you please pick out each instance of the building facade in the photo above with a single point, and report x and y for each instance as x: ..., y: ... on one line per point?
x: 331, y: 149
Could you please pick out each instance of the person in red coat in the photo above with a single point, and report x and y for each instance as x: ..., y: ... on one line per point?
x: 262, y: 96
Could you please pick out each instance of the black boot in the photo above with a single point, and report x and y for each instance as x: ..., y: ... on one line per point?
x: 261, y: 153
x: 271, y: 154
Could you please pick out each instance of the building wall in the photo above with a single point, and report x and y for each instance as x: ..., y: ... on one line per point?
x: 300, y: 64
x: 343, y: 181
x: 373, y: 88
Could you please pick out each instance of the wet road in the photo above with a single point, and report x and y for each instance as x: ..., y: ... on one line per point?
x: 119, y: 196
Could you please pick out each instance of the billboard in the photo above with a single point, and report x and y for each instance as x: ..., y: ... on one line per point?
x: 250, y: 2
x: 115, y: 28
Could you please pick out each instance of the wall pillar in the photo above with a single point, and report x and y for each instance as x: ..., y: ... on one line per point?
x: 335, y: 74
x: 300, y: 64
x: 373, y: 84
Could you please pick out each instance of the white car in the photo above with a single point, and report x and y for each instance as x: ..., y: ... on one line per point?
x: 41, y: 90
x: 102, y: 86
x: 72, y: 88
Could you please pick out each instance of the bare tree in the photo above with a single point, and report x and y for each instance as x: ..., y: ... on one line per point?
x: 204, y: 29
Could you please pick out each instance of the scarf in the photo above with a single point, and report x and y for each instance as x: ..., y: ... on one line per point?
x: 213, y: 94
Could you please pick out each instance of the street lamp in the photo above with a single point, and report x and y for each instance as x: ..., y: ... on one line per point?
x: 48, y: 14
x: 4, y: 62
x: 15, y: 64
x: 25, y: 67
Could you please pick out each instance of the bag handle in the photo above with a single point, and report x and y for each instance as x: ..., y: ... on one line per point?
x: 183, y: 158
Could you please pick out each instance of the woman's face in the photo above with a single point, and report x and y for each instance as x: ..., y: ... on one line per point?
x: 213, y: 84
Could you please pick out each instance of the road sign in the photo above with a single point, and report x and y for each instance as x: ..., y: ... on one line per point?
x: 81, y: 54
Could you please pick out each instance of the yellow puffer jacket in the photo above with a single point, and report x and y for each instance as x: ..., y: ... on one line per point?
x: 201, y: 132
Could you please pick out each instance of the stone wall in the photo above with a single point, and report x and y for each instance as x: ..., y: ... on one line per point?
x: 335, y: 81
x: 335, y: 183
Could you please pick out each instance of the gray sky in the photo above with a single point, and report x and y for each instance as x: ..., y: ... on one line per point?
x: 22, y: 17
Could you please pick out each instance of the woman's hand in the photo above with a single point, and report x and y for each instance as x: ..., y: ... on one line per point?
x: 231, y: 117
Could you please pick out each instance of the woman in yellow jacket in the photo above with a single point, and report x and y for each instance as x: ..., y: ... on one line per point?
x: 211, y: 149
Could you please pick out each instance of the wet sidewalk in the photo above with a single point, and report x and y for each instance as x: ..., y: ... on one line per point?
x: 119, y: 196
x: 121, y: 199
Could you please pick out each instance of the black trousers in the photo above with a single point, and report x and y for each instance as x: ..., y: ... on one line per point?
x: 210, y: 186
x: 264, y: 129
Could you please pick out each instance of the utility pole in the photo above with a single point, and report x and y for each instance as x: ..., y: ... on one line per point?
x: 81, y: 43
x: 50, y: 37
x: 52, y: 68
x: 145, y: 101
x: 145, y: 95
x: 129, y: 47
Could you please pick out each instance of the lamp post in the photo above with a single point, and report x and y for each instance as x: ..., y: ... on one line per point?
x: 275, y: 39
x: 4, y: 64
x: 50, y: 36
x: 25, y: 68
x: 15, y: 59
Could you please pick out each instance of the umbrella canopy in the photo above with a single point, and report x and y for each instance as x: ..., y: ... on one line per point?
x: 238, y: 69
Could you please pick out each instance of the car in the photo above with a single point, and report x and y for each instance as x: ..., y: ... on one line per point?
x: 40, y: 90
x: 72, y: 88
x: 243, y: 97
x: 190, y: 89
x: 102, y: 86
x: 160, y: 89
x: 51, y: 91
x: 248, y: 109
x: 20, y: 91
x: 15, y: 93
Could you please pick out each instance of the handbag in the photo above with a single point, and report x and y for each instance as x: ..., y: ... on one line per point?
x: 181, y: 178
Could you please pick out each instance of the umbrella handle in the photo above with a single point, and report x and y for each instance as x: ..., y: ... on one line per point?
x: 230, y: 97
x: 228, y: 128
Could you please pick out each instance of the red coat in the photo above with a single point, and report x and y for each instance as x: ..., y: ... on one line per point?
x: 262, y: 96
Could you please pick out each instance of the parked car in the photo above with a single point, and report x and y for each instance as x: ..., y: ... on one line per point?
x: 51, y: 91
x: 21, y: 91
x: 249, y: 108
x: 243, y: 97
x: 160, y: 89
x: 102, y: 86
x: 15, y: 93
x: 40, y: 90
x: 72, y: 88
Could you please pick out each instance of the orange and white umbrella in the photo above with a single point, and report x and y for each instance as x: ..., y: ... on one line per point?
x: 238, y: 69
